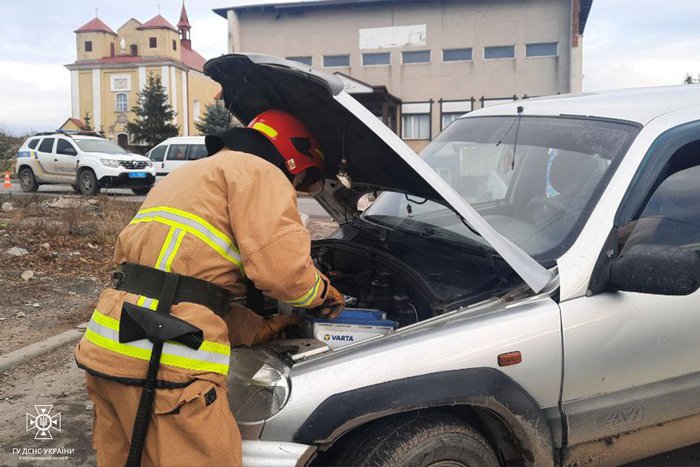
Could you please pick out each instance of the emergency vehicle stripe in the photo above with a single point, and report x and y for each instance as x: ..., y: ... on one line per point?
x: 309, y: 296
x: 194, y: 225
x: 103, y: 331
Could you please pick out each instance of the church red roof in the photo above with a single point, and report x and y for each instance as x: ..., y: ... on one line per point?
x: 157, y: 22
x: 184, y: 21
x: 192, y: 59
x: 95, y: 25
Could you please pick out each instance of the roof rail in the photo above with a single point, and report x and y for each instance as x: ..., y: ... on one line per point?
x: 70, y: 133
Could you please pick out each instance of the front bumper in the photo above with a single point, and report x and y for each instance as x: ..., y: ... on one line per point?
x: 123, y: 181
x: 257, y: 453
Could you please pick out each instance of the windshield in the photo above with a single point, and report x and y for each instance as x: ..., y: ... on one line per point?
x: 534, y: 179
x: 99, y: 145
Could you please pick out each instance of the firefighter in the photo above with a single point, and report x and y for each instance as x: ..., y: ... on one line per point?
x: 156, y: 350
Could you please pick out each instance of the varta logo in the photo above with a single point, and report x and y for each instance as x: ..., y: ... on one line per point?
x: 341, y: 338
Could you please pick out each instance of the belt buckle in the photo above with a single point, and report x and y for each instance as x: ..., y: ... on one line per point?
x: 117, y: 278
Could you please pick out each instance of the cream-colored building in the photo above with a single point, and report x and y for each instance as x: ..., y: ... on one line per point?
x: 437, y: 58
x: 112, y: 67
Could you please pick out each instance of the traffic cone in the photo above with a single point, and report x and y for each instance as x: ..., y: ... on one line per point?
x: 8, y: 183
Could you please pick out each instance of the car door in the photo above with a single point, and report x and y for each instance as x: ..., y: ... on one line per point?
x: 157, y: 156
x: 64, y: 159
x: 45, y: 160
x: 632, y: 358
x: 175, y: 157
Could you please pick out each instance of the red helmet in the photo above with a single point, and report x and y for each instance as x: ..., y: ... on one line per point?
x: 292, y: 139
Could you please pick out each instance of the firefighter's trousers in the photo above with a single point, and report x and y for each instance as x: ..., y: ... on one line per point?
x: 190, y: 426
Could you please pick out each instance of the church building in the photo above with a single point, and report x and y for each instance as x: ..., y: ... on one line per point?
x: 112, y: 67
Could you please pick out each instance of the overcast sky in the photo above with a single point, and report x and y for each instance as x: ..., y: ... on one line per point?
x: 627, y: 43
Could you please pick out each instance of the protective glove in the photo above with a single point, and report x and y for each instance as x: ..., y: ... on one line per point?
x: 333, y: 304
x: 272, y: 326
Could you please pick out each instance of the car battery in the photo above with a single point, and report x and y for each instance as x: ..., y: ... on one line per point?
x: 352, y: 325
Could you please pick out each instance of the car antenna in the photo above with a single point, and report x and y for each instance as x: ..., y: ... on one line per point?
x: 515, y: 141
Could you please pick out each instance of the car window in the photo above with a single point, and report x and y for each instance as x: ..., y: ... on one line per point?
x: 65, y: 147
x: 100, y: 145
x: 197, y: 151
x: 46, y: 145
x: 671, y: 216
x: 158, y: 153
x: 33, y: 142
x: 177, y: 152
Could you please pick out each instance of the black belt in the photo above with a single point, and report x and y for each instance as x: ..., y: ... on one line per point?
x: 143, y: 280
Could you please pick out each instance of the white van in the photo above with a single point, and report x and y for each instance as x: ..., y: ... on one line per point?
x: 175, y: 152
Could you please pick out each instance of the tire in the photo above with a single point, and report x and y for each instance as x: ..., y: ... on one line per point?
x: 75, y: 188
x: 27, y: 180
x: 141, y: 191
x: 417, y: 440
x: 87, y: 183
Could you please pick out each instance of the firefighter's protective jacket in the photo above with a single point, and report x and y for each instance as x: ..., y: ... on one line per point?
x: 222, y: 218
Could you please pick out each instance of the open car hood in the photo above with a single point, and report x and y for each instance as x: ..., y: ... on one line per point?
x: 353, y: 140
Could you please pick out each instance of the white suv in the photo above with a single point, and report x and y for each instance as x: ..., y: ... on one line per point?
x: 87, y: 163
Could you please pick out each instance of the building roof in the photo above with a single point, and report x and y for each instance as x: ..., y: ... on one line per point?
x: 95, y: 25
x: 585, y: 6
x: 184, y: 22
x: 192, y: 59
x: 157, y: 22
x: 75, y: 121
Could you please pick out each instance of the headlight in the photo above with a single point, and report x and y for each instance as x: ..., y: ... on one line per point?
x: 258, y: 384
x: 114, y: 163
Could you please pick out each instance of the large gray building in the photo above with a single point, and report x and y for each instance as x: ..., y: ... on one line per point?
x: 417, y: 64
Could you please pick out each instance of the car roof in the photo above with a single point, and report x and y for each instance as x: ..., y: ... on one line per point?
x: 184, y: 140
x: 639, y: 105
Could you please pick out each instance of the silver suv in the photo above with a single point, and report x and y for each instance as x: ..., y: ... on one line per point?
x: 87, y: 162
x: 539, y: 259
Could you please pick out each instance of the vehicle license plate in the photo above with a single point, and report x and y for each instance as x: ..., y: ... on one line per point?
x: 137, y: 174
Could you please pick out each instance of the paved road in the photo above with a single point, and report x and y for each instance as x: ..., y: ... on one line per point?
x: 308, y: 206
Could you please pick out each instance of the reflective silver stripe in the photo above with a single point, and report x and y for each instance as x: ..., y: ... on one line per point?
x: 175, y: 350
x: 215, y: 239
x: 174, y: 236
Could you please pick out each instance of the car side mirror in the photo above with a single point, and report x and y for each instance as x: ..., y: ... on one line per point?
x: 656, y: 269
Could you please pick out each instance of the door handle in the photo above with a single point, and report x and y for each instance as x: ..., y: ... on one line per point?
x: 55, y: 160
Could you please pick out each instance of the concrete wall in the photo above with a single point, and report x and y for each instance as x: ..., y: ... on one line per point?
x: 203, y: 90
x: 448, y: 24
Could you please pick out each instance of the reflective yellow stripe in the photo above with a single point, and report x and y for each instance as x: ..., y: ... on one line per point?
x: 309, y: 296
x: 164, y: 249
x: 195, y: 225
x: 151, y: 303
x: 178, y: 240
x: 267, y: 129
x: 103, y: 331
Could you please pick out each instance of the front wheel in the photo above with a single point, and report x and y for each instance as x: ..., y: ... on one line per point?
x: 87, y: 183
x: 27, y: 180
x: 418, y: 440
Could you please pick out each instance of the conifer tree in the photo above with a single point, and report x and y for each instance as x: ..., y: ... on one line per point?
x: 153, y: 114
x: 216, y: 119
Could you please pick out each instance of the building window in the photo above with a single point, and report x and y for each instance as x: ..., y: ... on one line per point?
x: 196, y: 109
x: 501, y: 51
x: 456, y: 55
x: 152, y: 42
x: 122, y: 102
x: 545, y: 49
x: 134, y: 50
x: 174, y: 44
x: 304, y: 60
x: 336, y: 60
x: 416, y: 56
x: 415, y: 120
x: 382, y: 58
x: 88, y: 46
x: 451, y: 110
x: 111, y: 49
